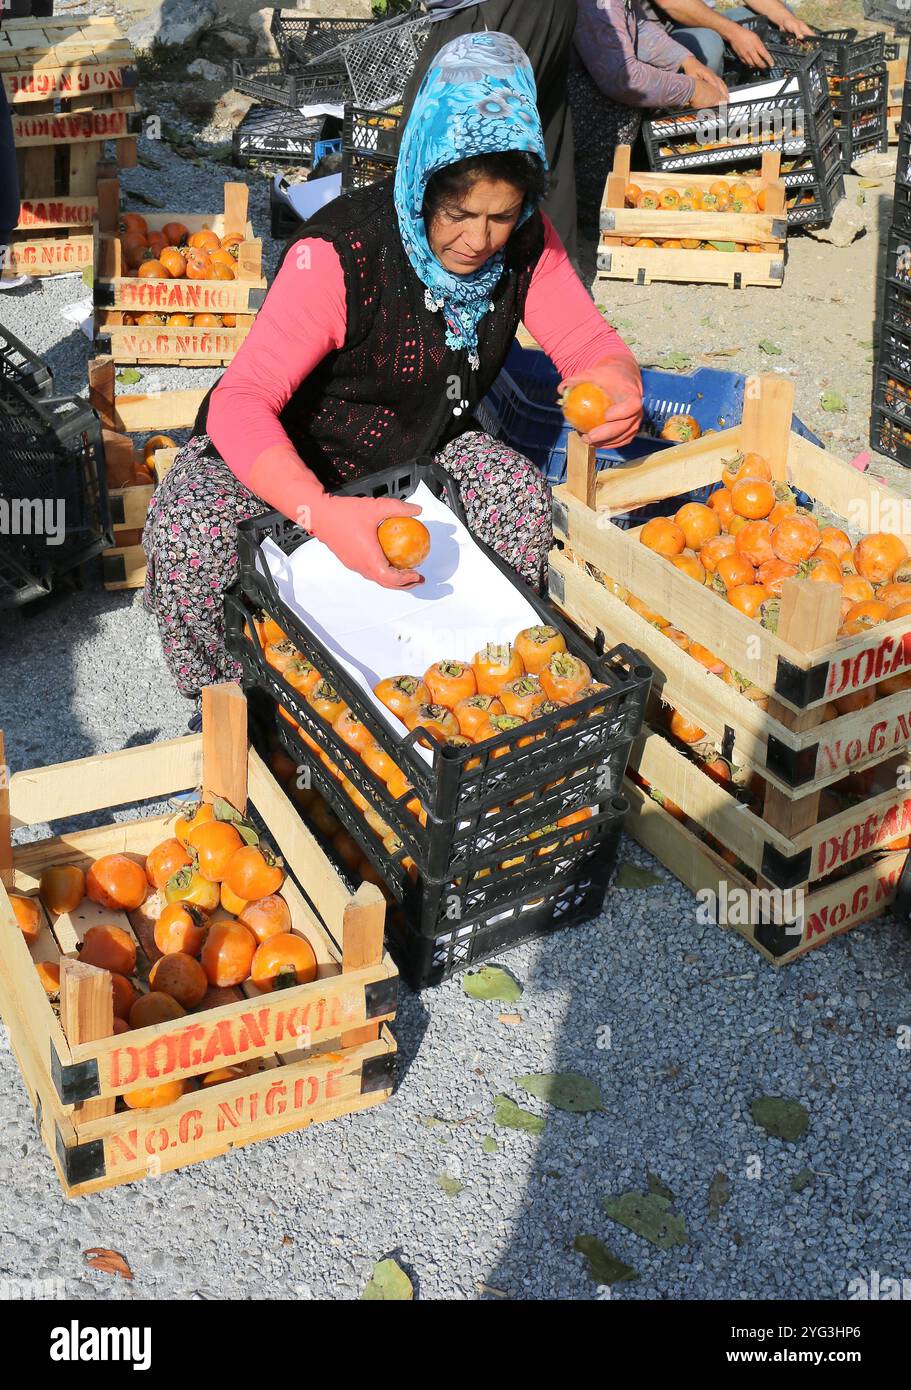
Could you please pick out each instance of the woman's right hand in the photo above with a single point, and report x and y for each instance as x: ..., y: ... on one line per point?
x: 348, y: 526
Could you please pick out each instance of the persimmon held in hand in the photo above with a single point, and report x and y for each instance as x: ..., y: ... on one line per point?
x: 585, y: 406
x: 405, y: 541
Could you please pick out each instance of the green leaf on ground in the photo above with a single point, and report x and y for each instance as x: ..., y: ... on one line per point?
x: 772, y: 349
x: 88, y: 276
x: 632, y: 876
x: 802, y: 1179
x: 722, y: 352
x: 147, y: 161
x: 489, y: 1144
x: 708, y: 321
x: 490, y: 982
x: 603, y: 1267
x: 451, y: 1186
x: 649, y: 1216
x: 656, y: 1185
x: 388, y: 1284
x: 833, y: 400
x: 867, y: 343
x: 128, y: 377
x: 674, y: 362
x: 566, y: 1090
x: 719, y: 1194
x: 780, y: 1117
x: 508, y: 1115
x: 869, y: 183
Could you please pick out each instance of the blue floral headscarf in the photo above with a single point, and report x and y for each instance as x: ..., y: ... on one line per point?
x: 478, y: 97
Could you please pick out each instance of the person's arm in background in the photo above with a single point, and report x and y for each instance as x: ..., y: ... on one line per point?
x: 302, y: 320
x: 694, y: 14
x: 561, y: 317
x: 606, y: 47
x: 779, y: 15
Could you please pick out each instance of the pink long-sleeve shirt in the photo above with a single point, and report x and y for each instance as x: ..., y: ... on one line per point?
x: 304, y: 318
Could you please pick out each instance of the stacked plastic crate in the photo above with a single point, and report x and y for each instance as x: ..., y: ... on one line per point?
x: 789, y: 111
x: 276, y: 128
x: 890, y: 416
x: 54, y: 511
x: 858, y: 81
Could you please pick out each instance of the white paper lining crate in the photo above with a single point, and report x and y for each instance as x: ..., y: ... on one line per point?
x: 124, y: 566
x: 315, y: 1051
x: 71, y: 88
x: 736, y: 269
x: 118, y: 296
x: 792, y: 746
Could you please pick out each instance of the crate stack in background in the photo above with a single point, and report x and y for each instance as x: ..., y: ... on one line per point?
x: 71, y: 85
x: 53, y: 497
x: 858, y: 80
x: 477, y: 847
x: 790, y: 112
x: 766, y: 774
x: 890, y: 414
x: 895, y: 83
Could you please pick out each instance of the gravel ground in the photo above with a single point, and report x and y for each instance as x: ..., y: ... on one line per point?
x: 697, y: 1024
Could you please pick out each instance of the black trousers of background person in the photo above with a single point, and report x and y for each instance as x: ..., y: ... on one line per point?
x: 9, y: 181
x: 544, y: 29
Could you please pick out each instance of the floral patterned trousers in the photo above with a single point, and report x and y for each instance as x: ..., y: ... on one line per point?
x: 190, y: 540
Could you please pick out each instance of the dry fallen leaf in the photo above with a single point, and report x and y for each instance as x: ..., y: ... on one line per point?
x: 512, y: 1019
x: 108, y: 1261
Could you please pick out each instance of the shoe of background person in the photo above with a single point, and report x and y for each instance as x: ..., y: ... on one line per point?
x: 8, y: 280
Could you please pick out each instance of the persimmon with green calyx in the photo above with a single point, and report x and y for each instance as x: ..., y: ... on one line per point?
x: 189, y: 886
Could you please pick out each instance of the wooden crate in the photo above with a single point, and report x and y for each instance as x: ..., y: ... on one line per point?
x: 124, y: 566
x: 118, y: 296
x: 791, y: 745
x: 314, y: 1051
x: 826, y: 912
x: 71, y: 87
x: 895, y: 80
x: 736, y: 269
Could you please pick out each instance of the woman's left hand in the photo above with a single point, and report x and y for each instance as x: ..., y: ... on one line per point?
x: 621, y: 382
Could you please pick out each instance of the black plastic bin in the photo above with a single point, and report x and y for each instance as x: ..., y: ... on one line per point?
x: 370, y: 145
x: 476, y: 803
x: 20, y: 365
x: 51, y: 471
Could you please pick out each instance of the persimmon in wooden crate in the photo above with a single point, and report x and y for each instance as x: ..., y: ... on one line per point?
x: 719, y: 228
x: 245, y: 1062
x: 180, y: 289
x: 807, y: 684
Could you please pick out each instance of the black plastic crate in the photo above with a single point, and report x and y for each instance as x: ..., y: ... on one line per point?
x: 370, y: 132
x: 279, y: 136
x: 890, y: 434
x: 23, y: 367
x: 853, y: 147
x: 903, y: 163
x: 361, y: 171
x: 868, y: 90
x: 898, y: 259
x: 459, y: 788
x: 844, y: 53
x: 51, y: 457
x: 892, y: 12
x: 892, y: 385
x: 289, y: 90
x: 897, y: 307
x: 793, y: 122
x: 569, y: 901
x: 305, y: 41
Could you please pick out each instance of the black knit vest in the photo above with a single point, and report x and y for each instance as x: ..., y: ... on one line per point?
x: 394, y: 390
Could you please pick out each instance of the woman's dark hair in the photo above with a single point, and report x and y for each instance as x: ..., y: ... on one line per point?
x: 449, y: 186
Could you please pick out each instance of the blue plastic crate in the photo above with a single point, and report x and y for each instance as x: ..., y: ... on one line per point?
x: 521, y: 409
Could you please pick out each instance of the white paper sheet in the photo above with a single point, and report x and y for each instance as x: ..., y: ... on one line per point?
x: 323, y: 108
x: 464, y: 603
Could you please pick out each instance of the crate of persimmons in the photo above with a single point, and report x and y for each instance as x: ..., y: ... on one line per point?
x: 484, y: 788
x: 169, y: 991
x: 180, y: 289
x: 696, y: 228
x: 776, y: 612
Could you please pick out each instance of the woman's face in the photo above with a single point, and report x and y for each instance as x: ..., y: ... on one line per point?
x: 465, y: 234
